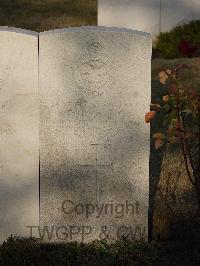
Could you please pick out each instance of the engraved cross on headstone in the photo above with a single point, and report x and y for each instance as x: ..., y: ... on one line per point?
x: 81, y: 103
x: 98, y: 165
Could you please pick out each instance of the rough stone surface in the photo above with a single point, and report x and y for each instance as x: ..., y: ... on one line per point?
x: 94, y: 143
x: 19, y: 132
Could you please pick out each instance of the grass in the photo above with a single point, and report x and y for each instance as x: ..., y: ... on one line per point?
x: 30, y: 252
x: 40, y: 15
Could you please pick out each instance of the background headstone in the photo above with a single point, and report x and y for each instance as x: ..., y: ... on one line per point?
x: 178, y: 12
x: 152, y: 16
x: 19, y: 132
x: 94, y: 144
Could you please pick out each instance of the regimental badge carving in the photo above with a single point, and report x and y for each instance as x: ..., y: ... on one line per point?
x: 91, y: 73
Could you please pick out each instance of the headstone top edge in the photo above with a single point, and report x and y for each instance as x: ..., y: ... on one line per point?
x: 95, y: 29
x: 18, y: 30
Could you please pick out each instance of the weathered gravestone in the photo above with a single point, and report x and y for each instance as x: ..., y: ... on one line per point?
x: 19, y: 132
x: 138, y: 15
x: 94, y: 144
x: 153, y: 16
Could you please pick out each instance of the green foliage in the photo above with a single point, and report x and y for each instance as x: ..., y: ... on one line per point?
x: 31, y: 252
x: 168, y: 42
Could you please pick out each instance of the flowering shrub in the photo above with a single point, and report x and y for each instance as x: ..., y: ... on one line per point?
x: 188, y: 49
x: 180, y: 113
x: 181, y: 41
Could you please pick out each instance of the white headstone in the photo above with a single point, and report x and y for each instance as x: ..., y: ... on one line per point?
x: 178, y: 12
x: 152, y: 16
x: 138, y: 15
x: 19, y: 132
x: 94, y: 144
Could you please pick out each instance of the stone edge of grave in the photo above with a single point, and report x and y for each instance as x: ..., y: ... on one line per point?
x: 95, y: 28
x: 18, y: 30
x: 74, y: 29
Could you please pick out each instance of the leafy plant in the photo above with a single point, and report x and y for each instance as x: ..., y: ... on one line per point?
x: 180, y: 115
x: 181, y: 41
x: 30, y: 251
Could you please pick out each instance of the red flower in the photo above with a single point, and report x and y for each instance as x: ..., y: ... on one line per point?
x: 187, y: 49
